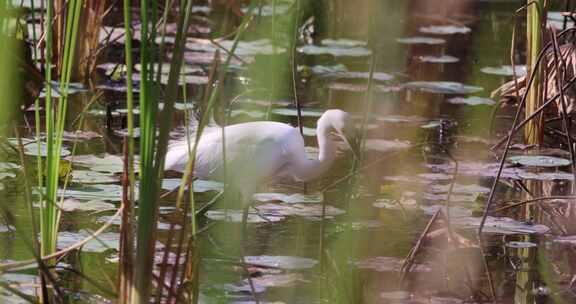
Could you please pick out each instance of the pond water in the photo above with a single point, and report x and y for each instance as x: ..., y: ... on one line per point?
x: 435, y: 64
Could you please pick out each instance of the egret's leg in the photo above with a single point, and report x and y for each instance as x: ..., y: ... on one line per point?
x: 243, y: 241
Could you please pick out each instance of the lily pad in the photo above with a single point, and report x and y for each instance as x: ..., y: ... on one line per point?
x: 4, y: 175
x: 442, y: 87
x: 8, y: 166
x: 392, y: 204
x: 386, y: 264
x: 31, y: 147
x: 438, y: 59
x: 289, y: 198
x: 503, y: 225
x: 539, y: 161
x: 505, y: 70
x: 471, y: 101
x: 103, y: 242
x: 282, y: 262
x: 335, y: 50
x: 421, y: 40
x: 343, y: 42
x: 5, y: 228
x: 93, y: 177
x: 278, y: 280
x: 235, y: 216
x: 293, y: 112
x: 312, y: 211
x: 72, y: 204
x: 108, y: 192
x: 200, y: 186
x: 445, y: 29
x: 107, y: 163
x: 382, y: 145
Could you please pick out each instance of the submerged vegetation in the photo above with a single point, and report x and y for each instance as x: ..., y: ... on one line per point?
x: 446, y: 194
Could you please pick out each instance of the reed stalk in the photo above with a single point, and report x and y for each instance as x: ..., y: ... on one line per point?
x: 152, y: 148
x: 55, y: 118
x: 536, y: 16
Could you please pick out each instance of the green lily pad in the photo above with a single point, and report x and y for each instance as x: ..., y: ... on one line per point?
x: 72, y: 204
x: 421, y: 40
x: 471, y: 101
x: 335, y: 50
x: 282, y: 262
x: 445, y: 29
x: 107, y: 163
x: 438, y: 59
x: 539, y: 161
x: 505, y: 70
x: 502, y: 225
x: 289, y: 198
x: 93, y: 177
x: 199, y: 185
x: 442, y: 87
x: 306, y: 112
x: 235, y: 216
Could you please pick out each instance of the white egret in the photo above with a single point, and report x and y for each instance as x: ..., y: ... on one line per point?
x: 257, y: 152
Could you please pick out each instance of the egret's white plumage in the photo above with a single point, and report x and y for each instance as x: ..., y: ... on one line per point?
x: 257, y: 152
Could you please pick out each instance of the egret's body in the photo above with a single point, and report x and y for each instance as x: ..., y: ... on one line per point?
x: 257, y: 152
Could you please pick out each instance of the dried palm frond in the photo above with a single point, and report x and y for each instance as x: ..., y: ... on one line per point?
x: 510, y: 91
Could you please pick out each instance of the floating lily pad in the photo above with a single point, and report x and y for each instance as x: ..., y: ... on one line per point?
x: 93, y: 177
x: 235, y: 216
x: 282, y: 262
x: 455, y: 211
x: 445, y: 29
x: 304, y: 210
x: 72, y: 204
x: 104, y: 241
x: 471, y: 101
x: 8, y: 166
x: 5, y: 228
x: 386, y: 264
x: 293, y: 112
x: 361, y: 87
x: 108, y: 192
x: 399, y: 297
x: 521, y: 245
x: 289, y: 198
x: 421, y: 40
x: 243, y: 49
x: 73, y: 88
x: 459, y: 188
x: 118, y: 221
x: 539, y: 161
x: 269, y: 10
x: 107, y: 163
x: 200, y: 186
x: 505, y: 70
x: 503, y: 225
x: 80, y: 135
x: 442, y: 87
x: 4, y: 175
x: 392, y: 204
x: 278, y: 280
x: 383, y: 145
x: 438, y: 59
x: 334, y: 50
x: 343, y: 42
x: 31, y: 147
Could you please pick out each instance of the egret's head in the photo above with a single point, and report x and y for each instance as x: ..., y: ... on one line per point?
x: 339, y: 123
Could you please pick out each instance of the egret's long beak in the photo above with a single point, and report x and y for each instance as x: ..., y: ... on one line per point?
x: 350, y: 137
